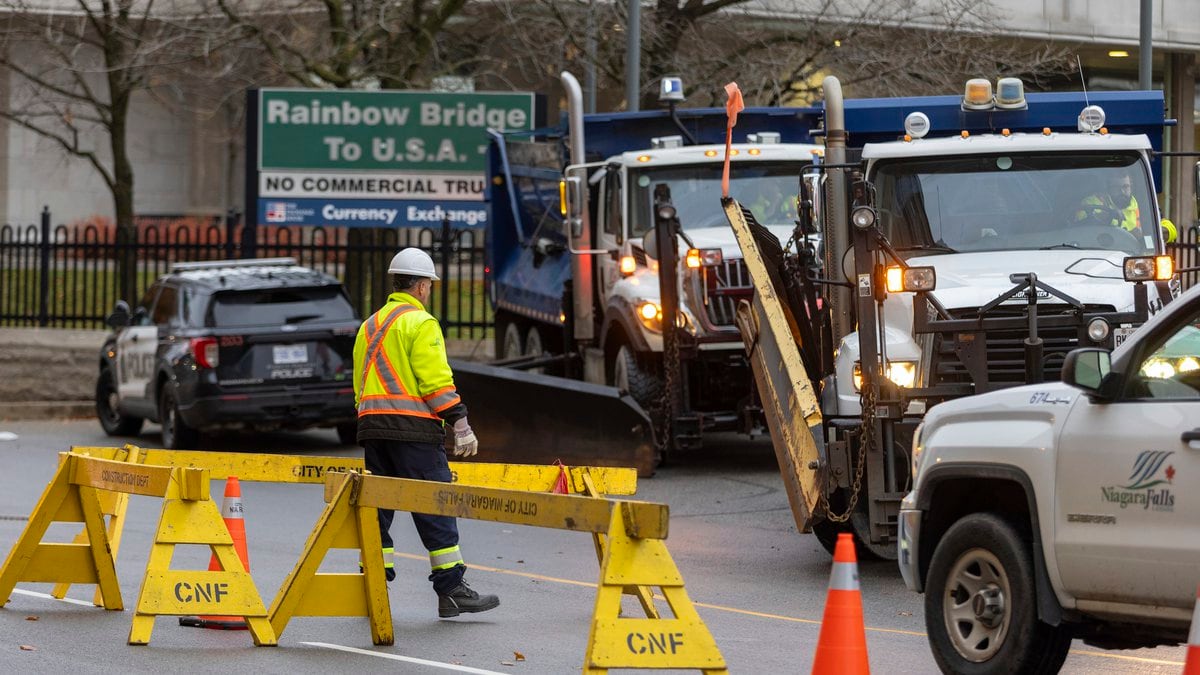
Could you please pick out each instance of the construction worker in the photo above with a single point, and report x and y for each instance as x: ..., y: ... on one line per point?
x: 406, y: 397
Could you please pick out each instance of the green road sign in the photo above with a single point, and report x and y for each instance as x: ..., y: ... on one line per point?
x: 383, y: 131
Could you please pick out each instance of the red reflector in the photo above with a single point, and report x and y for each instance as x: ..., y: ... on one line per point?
x: 347, y: 390
x: 235, y: 397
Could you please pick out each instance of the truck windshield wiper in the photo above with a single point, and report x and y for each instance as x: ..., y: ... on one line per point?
x: 1065, y: 244
x: 928, y: 247
x: 297, y: 318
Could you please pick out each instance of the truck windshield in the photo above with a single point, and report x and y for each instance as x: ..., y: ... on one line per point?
x: 1095, y: 201
x: 768, y: 189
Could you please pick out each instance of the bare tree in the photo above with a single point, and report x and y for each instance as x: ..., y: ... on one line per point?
x: 778, y: 52
x: 348, y: 43
x: 76, y: 68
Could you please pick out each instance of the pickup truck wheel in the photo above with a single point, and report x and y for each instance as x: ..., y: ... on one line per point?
x: 176, y: 434
x: 981, y: 606
x: 111, y: 419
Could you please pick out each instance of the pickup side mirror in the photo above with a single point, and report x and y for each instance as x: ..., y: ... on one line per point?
x: 120, y: 316
x: 1089, y: 369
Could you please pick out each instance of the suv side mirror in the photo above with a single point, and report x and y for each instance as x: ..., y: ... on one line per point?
x: 1088, y: 369
x: 119, y: 317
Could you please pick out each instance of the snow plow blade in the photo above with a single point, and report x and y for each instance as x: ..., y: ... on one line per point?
x: 530, y: 418
x: 769, y: 330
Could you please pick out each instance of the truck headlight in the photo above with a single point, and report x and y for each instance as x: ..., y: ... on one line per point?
x: 1098, y: 330
x: 649, y: 313
x: 901, y: 373
x: 1149, y: 268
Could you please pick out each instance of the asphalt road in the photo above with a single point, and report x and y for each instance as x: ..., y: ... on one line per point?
x: 758, y: 585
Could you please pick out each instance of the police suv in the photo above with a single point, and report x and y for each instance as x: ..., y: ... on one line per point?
x: 1063, y: 510
x: 251, y: 344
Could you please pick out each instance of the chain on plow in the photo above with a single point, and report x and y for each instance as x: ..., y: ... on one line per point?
x: 662, y: 434
x: 867, y: 401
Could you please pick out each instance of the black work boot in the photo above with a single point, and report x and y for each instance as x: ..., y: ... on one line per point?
x: 463, y: 599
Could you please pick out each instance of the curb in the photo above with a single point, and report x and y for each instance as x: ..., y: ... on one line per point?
x: 46, y: 410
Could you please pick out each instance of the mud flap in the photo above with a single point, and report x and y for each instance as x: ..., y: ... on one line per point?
x: 529, y: 418
x: 792, y: 411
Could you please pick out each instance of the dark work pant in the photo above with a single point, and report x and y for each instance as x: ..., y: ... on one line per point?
x: 422, y: 461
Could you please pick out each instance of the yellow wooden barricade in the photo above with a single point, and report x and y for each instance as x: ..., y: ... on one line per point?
x: 189, y: 516
x: 634, y: 557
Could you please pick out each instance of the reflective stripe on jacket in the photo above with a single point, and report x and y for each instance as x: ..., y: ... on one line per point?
x: 403, y: 384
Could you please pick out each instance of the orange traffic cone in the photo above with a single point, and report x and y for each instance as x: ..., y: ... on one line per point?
x: 1192, y: 665
x: 842, y: 646
x: 232, y: 513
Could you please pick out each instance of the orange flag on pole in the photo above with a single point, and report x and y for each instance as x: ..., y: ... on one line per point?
x: 732, y: 107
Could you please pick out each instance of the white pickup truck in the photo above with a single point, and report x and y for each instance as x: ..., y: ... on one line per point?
x: 1055, y: 511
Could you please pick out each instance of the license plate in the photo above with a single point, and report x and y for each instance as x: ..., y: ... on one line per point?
x: 1120, y: 334
x: 285, y: 354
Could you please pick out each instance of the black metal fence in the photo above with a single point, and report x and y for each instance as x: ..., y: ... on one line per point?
x: 1187, y: 256
x: 68, y: 276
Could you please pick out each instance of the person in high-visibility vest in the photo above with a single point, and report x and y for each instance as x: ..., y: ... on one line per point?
x: 1114, y: 206
x: 406, y: 398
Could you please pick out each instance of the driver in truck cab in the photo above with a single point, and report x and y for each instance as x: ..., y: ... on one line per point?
x: 1114, y: 204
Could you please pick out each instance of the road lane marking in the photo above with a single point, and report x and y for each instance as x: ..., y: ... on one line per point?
x: 778, y: 617
x: 47, y: 596
x: 406, y: 659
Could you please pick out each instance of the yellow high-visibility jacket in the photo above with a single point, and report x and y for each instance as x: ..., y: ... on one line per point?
x: 403, y: 384
x: 1102, y: 206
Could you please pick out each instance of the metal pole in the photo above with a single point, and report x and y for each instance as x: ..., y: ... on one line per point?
x: 44, y: 280
x: 445, y: 290
x: 1146, y: 45
x: 589, y: 73
x: 633, y: 56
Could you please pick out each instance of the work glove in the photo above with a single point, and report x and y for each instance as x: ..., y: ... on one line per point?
x: 465, y: 443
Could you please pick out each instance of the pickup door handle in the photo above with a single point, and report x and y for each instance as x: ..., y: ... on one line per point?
x: 1189, y: 436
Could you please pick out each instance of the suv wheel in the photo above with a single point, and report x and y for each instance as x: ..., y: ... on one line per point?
x: 348, y: 433
x: 980, y: 603
x: 176, y: 434
x: 107, y: 410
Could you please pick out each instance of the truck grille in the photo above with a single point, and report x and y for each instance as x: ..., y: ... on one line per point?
x: 724, y: 286
x: 1006, y: 348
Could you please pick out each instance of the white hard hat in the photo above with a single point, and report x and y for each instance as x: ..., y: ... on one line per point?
x: 415, y: 263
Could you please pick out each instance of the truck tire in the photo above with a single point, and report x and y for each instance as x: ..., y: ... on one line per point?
x: 643, y: 384
x: 111, y: 419
x: 176, y: 434
x: 981, y: 603
x: 508, y: 339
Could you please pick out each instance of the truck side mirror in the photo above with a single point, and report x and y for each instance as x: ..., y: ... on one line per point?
x: 572, y: 196
x: 119, y: 317
x: 650, y: 243
x: 1196, y: 180
x: 1087, y: 369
